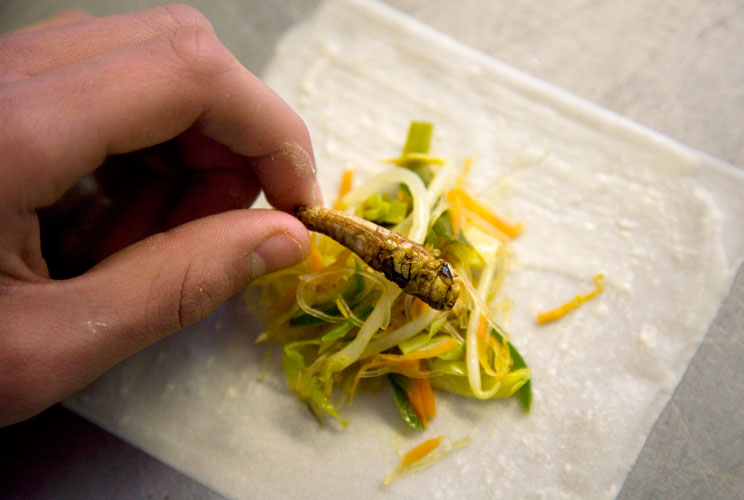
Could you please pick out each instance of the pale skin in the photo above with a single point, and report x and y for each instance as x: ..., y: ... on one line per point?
x: 154, y: 105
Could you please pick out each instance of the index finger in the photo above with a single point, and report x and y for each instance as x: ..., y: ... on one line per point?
x: 64, y: 123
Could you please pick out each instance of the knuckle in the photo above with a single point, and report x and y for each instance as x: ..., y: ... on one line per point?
x: 200, y: 51
x: 179, y: 14
x: 196, y: 298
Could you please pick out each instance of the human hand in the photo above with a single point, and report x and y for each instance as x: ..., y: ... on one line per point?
x: 179, y: 138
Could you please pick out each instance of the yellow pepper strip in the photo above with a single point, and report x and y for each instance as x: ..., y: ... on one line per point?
x: 346, y: 311
x: 420, y: 451
x: 419, y: 307
x: 408, y: 158
x: 561, y: 311
x: 460, y: 198
x: 500, y: 354
x: 482, y: 336
x: 347, y: 180
x: 437, y: 350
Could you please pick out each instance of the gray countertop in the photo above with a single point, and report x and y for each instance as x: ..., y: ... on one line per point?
x: 672, y: 65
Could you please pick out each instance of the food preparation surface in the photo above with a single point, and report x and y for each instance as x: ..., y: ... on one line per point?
x: 672, y: 68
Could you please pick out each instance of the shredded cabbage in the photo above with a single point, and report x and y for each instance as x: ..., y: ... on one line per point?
x: 339, y: 321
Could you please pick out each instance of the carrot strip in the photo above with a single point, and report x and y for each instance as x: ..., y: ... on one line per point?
x: 464, y: 200
x: 315, y: 258
x: 347, y: 180
x: 417, y: 403
x: 420, y: 451
x: 405, y: 366
x: 408, y: 364
x: 561, y: 311
x: 429, y: 406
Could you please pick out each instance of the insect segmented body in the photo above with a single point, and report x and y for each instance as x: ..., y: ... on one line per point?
x: 406, y: 263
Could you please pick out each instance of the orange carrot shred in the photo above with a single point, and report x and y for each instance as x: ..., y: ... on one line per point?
x: 421, y: 396
x: 403, y: 366
x: 417, y: 403
x: 315, y: 258
x: 347, y: 180
x: 561, y: 311
x: 423, y: 385
x: 420, y: 451
x: 461, y: 198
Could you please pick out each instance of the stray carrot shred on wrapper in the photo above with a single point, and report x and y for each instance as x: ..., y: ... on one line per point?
x: 420, y: 451
x: 424, y: 455
x: 346, y: 181
x: 561, y: 311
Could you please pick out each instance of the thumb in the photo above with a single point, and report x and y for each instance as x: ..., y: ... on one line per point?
x: 170, y: 280
x: 57, y: 336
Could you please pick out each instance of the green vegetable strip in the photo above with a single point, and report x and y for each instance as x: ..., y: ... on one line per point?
x: 419, y: 138
x: 404, y: 405
x: 417, y: 143
x: 338, y: 331
x: 524, y: 392
x: 384, y: 211
x: 343, y: 328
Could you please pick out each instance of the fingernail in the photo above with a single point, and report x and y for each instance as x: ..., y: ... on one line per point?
x: 275, y: 252
x: 301, y: 160
x: 304, y: 167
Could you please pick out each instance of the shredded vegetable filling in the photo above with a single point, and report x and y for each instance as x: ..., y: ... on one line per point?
x: 341, y: 322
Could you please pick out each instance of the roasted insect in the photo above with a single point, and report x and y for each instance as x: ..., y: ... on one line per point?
x: 407, y: 264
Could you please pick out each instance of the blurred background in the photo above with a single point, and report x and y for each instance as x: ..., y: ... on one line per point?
x: 674, y: 66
